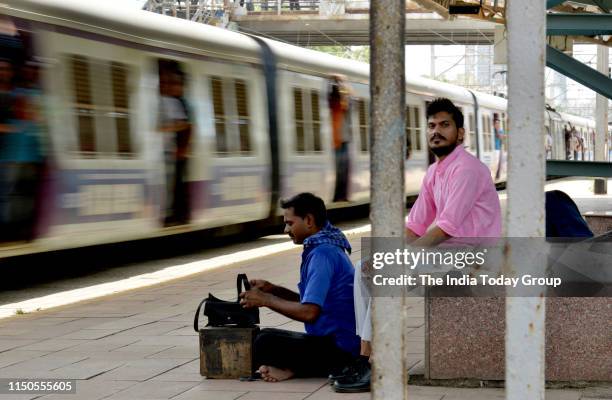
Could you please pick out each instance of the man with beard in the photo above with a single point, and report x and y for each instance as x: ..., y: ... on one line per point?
x: 457, y: 191
x: 457, y: 200
x: 324, y: 302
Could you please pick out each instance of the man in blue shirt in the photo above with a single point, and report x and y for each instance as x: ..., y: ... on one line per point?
x: 324, y: 302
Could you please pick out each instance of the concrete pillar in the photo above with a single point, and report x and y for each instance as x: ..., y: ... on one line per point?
x: 601, y: 119
x: 387, y: 90
x: 526, y: 20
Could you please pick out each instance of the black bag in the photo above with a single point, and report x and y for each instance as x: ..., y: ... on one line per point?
x: 228, y: 313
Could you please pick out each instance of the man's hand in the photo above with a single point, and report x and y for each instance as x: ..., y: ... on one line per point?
x: 411, y: 236
x: 367, y: 271
x: 431, y: 238
x: 262, y: 285
x: 254, y: 298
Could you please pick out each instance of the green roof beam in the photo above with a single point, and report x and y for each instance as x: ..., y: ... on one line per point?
x: 565, y: 24
x: 579, y: 168
x: 604, y: 5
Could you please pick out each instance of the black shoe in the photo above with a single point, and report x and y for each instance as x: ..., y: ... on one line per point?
x: 357, y: 382
x: 343, y: 372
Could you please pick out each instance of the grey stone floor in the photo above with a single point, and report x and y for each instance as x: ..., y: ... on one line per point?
x: 140, y: 344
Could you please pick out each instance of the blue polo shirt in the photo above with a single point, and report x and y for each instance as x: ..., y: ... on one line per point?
x: 326, y: 279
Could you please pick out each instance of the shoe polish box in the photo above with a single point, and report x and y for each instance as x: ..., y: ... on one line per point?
x: 226, y: 352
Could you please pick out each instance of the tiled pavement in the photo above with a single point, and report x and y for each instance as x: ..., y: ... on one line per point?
x: 141, y: 345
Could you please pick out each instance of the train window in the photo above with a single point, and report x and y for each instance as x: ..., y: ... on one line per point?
x: 486, y: 134
x: 83, y: 106
x: 364, y: 125
x: 216, y: 87
x: 409, y: 140
x: 243, y: 120
x: 121, y: 103
x: 417, y: 129
x: 101, y: 106
x: 491, y: 138
x: 316, y: 120
x: 299, y: 120
x: 472, y: 132
x: 413, y: 129
x: 307, y: 109
x: 232, y: 116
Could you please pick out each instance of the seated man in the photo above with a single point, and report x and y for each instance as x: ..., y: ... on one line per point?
x: 457, y: 200
x: 324, y: 302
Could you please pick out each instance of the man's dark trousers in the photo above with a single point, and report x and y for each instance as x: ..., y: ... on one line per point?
x: 305, y: 355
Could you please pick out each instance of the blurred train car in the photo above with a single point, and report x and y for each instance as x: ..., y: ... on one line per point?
x: 260, y: 123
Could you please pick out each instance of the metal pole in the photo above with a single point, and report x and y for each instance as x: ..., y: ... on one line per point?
x: 387, y: 91
x: 525, y: 214
x: 601, y: 118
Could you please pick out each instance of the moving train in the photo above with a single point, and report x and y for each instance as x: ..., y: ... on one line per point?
x: 261, y: 122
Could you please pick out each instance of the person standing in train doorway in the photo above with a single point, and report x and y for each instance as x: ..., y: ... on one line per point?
x: 500, y: 138
x: 339, y: 99
x: 176, y: 127
x: 457, y: 200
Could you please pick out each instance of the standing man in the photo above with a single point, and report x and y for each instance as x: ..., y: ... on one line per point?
x: 324, y: 302
x: 183, y: 150
x: 457, y: 200
x: 499, y: 145
x: 176, y: 129
x: 339, y: 99
x: 7, y: 167
x: 574, y: 142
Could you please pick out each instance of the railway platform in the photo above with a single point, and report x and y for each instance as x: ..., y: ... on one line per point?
x: 141, y: 345
x: 139, y: 342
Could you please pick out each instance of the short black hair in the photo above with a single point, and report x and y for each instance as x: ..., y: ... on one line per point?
x: 307, y: 203
x: 443, y: 104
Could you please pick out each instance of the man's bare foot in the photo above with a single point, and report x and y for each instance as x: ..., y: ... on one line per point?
x: 273, y: 374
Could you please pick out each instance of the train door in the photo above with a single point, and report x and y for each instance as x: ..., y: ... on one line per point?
x: 557, y: 136
x: 232, y: 161
x: 176, y: 126
x: 487, y: 142
x: 100, y: 177
x: 360, y: 168
x: 500, y: 145
x: 558, y: 140
x: 591, y: 145
x: 307, y: 159
x: 22, y: 133
x: 470, y: 131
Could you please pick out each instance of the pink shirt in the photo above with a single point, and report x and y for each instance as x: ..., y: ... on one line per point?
x: 459, y: 195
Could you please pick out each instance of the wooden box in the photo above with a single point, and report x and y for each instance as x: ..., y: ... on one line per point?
x: 226, y: 353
